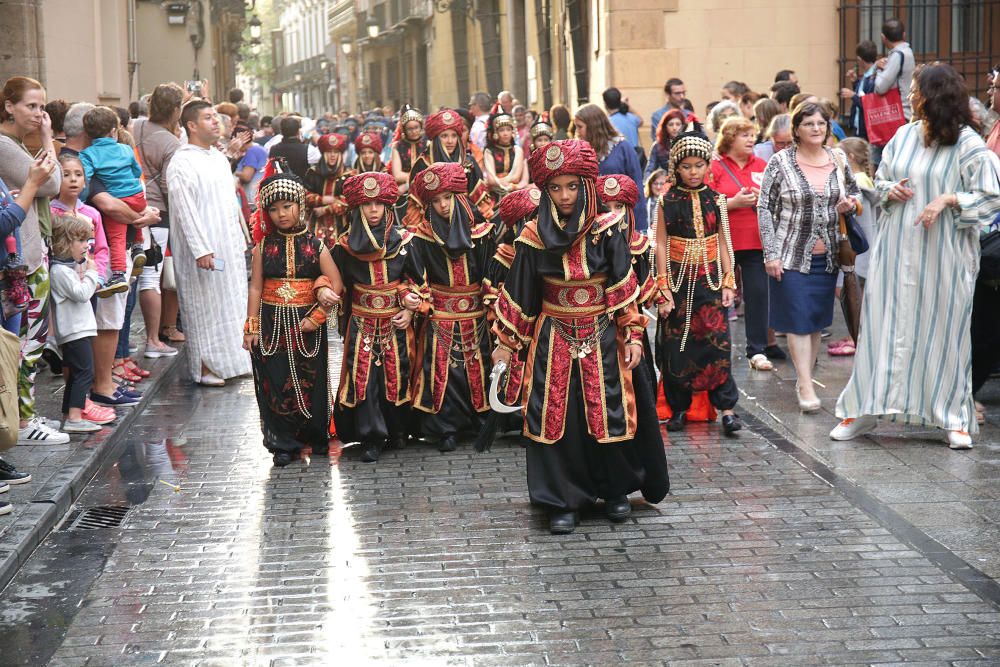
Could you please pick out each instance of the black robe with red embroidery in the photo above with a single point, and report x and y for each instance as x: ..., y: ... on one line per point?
x: 592, y: 422
x: 374, y: 395
x: 450, y: 385
x: 321, y: 183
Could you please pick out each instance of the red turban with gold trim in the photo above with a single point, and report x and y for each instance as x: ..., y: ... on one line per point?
x: 371, y: 186
x: 519, y: 204
x: 618, y: 188
x: 438, y: 178
x: 562, y: 158
x: 368, y: 140
x: 440, y: 121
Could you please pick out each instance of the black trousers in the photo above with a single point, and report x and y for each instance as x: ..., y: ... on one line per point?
x: 755, y: 299
x: 985, y: 325
x: 723, y: 397
x: 78, y: 357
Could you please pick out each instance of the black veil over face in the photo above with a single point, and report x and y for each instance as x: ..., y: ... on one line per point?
x: 378, y: 240
x: 455, y: 232
x: 557, y: 232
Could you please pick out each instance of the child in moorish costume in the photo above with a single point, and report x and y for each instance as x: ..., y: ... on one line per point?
x: 325, y: 185
x: 368, y: 147
x: 620, y: 194
x: 516, y: 210
x: 569, y: 308
x: 293, y: 281
x: 503, y: 159
x: 445, y: 145
x: 695, y: 286
x: 408, y: 143
x: 373, y: 401
x: 451, y: 253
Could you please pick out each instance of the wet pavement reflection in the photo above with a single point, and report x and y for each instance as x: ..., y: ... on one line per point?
x: 438, y: 559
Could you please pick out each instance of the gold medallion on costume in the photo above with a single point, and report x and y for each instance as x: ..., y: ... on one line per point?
x: 553, y: 158
x: 371, y: 187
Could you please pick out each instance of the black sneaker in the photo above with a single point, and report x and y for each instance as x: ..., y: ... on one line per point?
x: 10, y: 475
x: 116, y: 285
x: 138, y: 260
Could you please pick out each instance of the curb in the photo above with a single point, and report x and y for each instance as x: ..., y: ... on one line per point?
x: 54, y: 498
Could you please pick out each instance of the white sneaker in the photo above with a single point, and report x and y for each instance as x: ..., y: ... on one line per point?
x: 53, y: 424
x: 852, y: 428
x: 959, y: 440
x: 37, y: 432
x: 157, y: 352
x: 79, y: 426
x: 210, y: 379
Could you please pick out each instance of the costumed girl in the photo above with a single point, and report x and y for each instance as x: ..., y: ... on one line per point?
x: 379, y: 343
x: 408, y: 143
x: 325, y: 188
x: 368, y: 147
x: 451, y: 254
x: 444, y: 144
x: 569, y: 308
x: 293, y: 282
x: 503, y: 160
x: 540, y: 135
x: 516, y: 210
x: 695, y: 286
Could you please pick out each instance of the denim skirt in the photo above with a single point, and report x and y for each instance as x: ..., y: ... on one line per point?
x: 802, y: 303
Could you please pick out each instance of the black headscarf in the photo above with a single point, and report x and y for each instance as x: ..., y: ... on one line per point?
x: 380, y: 240
x: 455, y: 234
x: 558, y: 233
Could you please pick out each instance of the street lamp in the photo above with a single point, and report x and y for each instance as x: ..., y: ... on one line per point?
x: 345, y: 45
x: 373, y: 29
x: 255, y: 27
x: 255, y: 47
x: 298, y: 77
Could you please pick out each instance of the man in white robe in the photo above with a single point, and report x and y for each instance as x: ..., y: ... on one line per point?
x: 207, y: 245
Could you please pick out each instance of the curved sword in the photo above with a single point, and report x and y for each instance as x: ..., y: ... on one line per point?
x: 495, y: 403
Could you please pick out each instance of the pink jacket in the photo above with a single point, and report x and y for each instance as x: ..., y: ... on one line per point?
x: 100, y: 247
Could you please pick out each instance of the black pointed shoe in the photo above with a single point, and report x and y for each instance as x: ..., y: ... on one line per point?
x: 281, y: 459
x: 562, y: 523
x: 399, y: 440
x: 677, y: 422
x: 447, y: 444
x: 731, y: 424
x: 617, y: 509
x: 370, y: 452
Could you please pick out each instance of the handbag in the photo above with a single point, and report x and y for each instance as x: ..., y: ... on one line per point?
x: 989, y: 260
x: 883, y: 113
x: 849, y: 225
x: 154, y: 253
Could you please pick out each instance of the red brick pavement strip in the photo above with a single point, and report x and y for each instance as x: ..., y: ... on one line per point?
x: 431, y: 559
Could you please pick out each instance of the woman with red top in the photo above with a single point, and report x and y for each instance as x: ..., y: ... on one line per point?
x: 737, y: 173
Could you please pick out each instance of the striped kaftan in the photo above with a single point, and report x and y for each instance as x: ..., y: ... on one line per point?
x: 204, y: 219
x: 914, y: 354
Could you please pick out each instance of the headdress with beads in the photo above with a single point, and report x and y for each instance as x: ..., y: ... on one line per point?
x: 542, y: 126
x: 372, y: 186
x: 689, y: 144
x: 278, y: 184
x: 406, y: 114
x: 498, y: 118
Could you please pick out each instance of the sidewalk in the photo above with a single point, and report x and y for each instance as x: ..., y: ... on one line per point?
x: 60, y: 472
x: 953, y: 497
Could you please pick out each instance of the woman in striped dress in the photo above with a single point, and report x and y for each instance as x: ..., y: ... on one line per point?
x: 939, y: 187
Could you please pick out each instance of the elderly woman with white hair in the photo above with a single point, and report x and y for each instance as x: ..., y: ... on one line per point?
x: 720, y: 112
x: 778, y: 137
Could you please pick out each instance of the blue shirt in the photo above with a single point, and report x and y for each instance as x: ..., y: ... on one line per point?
x: 115, y: 164
x: 11, y: 213
x: 627, y: 125
x: 623, y: 160
x: 256, y: 157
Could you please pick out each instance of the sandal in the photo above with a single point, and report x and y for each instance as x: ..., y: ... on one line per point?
x: 171, y: 335
x: 845, y: 349
x: 131, y: 364
x: 760, y: 362
x: 122, y: 372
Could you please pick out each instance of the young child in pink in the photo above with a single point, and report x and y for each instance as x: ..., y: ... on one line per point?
x: 73, y: 183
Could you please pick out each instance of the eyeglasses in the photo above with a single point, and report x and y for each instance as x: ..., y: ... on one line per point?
x: 815, y: 125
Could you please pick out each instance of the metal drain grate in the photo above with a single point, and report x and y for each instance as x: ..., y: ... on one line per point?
x: 93, y: 518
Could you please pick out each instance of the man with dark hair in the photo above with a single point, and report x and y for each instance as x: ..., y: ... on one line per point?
x: 242, y: 112
x: 291, y: 147
x: 208, y: 246
x: 782, y: 92
x: 235, y: 95
x: 862, y: 80
x: 786, y: 75
x: 57, y: 112
x: 626, y: 121
x: 896, y: 69
x: 265, y: 132
x: 676, y: 93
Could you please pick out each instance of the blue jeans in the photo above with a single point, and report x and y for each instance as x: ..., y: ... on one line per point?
x: 122, y: 352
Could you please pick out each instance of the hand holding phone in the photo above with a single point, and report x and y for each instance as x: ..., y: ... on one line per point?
x: 218, y: 264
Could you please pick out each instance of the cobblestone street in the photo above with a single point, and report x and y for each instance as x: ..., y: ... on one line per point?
x: 438, y: 559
